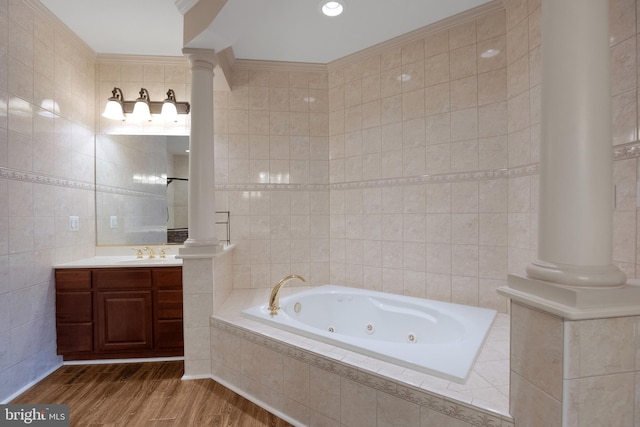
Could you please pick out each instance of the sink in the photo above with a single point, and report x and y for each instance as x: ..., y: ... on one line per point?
x: 170, y: 259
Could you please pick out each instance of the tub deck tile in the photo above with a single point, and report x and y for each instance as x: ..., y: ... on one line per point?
x: 481, y: 401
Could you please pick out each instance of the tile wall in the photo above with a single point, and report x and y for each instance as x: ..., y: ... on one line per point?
x: 624, y: 89
x: 418, y: 166
x: 352, y: 172
x: 46, y: 175
x: 387, y: 172
x: 272, y: 172
x: 429, y: 150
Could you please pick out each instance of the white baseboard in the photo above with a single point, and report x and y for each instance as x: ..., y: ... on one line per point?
x: 31, y: 384
x: 196, y: 377
x: 112, y: 361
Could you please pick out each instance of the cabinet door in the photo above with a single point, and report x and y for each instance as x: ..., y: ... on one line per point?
x: 124, y: 320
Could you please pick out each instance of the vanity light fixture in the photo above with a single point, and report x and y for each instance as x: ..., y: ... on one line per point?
x: 115, y: 105
x: 332, y: 8
x: 143, y: 107
x: 169, y: 110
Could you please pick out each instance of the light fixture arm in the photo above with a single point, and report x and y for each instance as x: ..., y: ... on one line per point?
x: 116, y: 95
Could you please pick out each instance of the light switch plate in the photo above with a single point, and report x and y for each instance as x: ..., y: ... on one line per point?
x: 74, y: 223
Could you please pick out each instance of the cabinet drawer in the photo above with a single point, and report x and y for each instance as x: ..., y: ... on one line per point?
x: 74, y: 307
x: 129, y: 278
x: 169, y: 304
x: 74, y: 278
x: 169, y: 334
x: 168, y: 277
x: 74, y: 337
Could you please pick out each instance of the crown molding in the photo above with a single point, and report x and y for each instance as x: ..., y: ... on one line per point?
x: 420, y: 33
x: 141, y: 59
x: 278, y: 65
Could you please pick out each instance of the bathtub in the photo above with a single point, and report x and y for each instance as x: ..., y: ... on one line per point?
x: 433, y: 337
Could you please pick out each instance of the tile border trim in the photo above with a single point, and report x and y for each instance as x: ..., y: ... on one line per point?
x: 626, y: 151
x: 450, y: 407
x: 17, y: 175
x: 630, y: 150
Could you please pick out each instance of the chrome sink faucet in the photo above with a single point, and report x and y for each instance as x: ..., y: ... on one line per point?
x: 274, y: 299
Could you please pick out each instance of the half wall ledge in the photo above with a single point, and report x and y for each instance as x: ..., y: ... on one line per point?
x: 575, y: 303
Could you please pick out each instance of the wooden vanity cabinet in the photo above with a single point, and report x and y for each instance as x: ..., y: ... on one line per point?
x: 119, y: 312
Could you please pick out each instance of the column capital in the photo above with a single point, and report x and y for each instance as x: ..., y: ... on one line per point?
x: 201, y: 57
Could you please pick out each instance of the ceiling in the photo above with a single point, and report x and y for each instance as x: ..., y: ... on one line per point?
x: 275, y: 30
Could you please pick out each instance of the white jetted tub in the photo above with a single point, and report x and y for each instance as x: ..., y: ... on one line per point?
x: 433, y: 337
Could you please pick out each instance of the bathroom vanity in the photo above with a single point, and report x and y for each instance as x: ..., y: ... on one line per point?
x: 110, y: 311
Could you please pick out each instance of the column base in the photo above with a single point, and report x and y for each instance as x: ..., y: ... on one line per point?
x: 599, y: 276
x: 575, y: 303
x: 212, y: 241
x: 210, y: 251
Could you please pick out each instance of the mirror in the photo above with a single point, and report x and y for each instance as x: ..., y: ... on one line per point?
x: 141, y: 189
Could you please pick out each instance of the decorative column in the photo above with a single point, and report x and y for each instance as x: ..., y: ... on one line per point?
x: 576, y: 157
x: 573, y: 318
x: 201, y: 151
x: 206, y: 266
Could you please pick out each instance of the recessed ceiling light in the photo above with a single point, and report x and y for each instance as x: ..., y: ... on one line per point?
x: 332, y: 8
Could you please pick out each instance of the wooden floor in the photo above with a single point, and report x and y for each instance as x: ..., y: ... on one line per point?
x: 144, y: 394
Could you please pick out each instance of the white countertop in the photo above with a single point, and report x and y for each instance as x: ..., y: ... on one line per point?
x: 122, y: 261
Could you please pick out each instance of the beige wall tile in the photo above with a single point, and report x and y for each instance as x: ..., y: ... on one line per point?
x: 541, y: 368
x: 462, y: 35
x: 393, y: 411
x: 463, y: 62
x: 358, y: 404
x: 599, y: 347
x: 623, y: 66
x: 594, y: 400
x: 436, y: 43
x: 622, y: 17
x: 464, y: 93
x: 325, y: 392
x: 625, y: 117
x: 492, y: 87
x: 517, y: 40
x: 436, y: 69
x: 534, y: 408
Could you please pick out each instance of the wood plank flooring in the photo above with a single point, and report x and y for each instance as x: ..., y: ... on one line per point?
x: 145, y: 394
